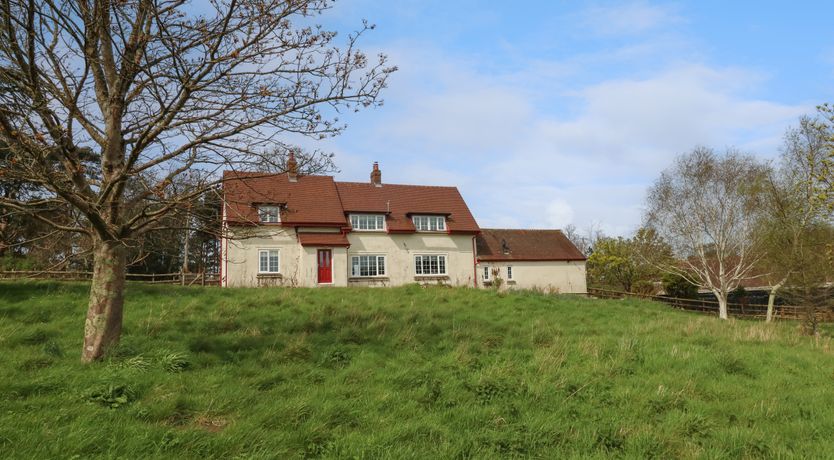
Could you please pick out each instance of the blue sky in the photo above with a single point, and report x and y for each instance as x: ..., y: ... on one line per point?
x: 549, y: 113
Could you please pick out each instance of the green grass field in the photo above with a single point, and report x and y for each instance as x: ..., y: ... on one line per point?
x: 404, y: 373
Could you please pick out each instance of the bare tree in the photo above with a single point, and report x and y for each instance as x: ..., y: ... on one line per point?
x: 824, y: 175
x: 702, y: 206
x: 572, y: 234
x: 793, y: 208
x: 158, y: 88
x: 584, y: 240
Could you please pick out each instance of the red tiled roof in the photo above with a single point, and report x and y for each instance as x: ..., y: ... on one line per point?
x: 320, y: 200
x: 310, y: 200
x: 525, y: 245
x: 401, y: 201
x: 323, y: 239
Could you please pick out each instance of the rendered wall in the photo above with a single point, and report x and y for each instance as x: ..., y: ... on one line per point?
x: 566, y: 277
x: 298, y: 265
x: 401, y: 249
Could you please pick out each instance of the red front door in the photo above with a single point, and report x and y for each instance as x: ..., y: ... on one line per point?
x: 325, y: 266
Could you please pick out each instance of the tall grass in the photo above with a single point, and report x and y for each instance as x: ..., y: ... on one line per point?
x: 404, y: 373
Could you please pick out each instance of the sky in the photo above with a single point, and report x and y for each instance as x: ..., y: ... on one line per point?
x: 553, y: 113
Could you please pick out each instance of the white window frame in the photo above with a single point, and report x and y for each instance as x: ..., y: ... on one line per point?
x: 268, y: 252
x: 384, y: 259
x: 376, y: 219
x: 509, y: 272
x: 420, y: 272
x: 269, y: 211
x: 487, y: 273
x: 424, y: 223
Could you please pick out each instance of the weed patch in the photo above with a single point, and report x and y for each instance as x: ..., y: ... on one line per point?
x: 113, y: 396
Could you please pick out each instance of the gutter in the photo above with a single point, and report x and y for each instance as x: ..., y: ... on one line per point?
x: 224, y: 232
x: 529, y: 259
x: 226, y: 261
x: 474, y: 261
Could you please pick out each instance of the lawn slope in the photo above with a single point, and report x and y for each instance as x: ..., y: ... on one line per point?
x: 404, y: 373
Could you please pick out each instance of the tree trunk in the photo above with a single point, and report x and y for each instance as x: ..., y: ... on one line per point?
x: 809, y: 323
x: 185, y: 246
x: 771, y: 299
x: 722, y: 306
x: 104, y: 315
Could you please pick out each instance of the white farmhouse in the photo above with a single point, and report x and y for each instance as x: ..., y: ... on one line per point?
x: 293, y: 230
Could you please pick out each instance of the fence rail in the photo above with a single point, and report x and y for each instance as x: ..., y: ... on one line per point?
x: 184, y: 279
x: 739, y: 310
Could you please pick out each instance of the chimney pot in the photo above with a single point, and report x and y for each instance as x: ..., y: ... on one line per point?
x: 376, y: 175
x: 292, y: 167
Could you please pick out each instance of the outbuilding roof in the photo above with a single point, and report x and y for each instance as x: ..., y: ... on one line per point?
x: 495, y: 244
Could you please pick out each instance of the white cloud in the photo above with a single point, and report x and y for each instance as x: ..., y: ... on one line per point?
x: 490, y: 110
x: 628, y: 18
x: 558, y: 213
x: 668, y: 112
x: 519, y: 162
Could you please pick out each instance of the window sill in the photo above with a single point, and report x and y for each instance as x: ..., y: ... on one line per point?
x: 270, y: 279
x: 431, y: 277
x: 369, y: 281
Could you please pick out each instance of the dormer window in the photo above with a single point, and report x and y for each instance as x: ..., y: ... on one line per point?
x: 367, y: 222
x: 429, y: 223
x: 269, y: 214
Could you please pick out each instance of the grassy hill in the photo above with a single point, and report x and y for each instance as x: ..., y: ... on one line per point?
x: 404, y: 373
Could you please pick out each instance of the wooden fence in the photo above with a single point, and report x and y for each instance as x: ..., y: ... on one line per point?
x: 183, y: 279
x: 739, y: 310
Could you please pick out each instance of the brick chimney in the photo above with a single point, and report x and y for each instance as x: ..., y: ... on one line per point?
x: 292, y: 167
x: 376, y: 175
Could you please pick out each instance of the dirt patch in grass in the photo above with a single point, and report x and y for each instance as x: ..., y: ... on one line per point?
x: 212, y: 424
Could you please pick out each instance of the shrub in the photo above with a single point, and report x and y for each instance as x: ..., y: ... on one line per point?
x: 11, y: 262
x: 497, y: 281
x: 644, y: 287
x: 738, y: 295
x: 678, y: 287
